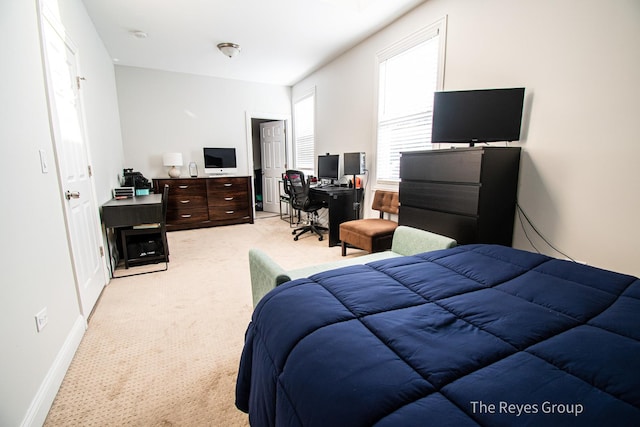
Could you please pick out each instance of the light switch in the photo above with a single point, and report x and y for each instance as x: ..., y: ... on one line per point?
x: 43, y: 161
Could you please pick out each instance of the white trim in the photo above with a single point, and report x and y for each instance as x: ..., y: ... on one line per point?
x: 42, y: 401
x: 249, y: 141
x: 439, y: 28
x: 304, y: 95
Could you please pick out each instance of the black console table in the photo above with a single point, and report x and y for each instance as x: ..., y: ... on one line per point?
x: 122, y: 214
x: 132, y: 211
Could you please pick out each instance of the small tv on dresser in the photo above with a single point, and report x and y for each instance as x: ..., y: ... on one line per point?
x: 220, y: 161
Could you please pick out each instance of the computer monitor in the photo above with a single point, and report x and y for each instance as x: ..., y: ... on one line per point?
x: 328, y: 166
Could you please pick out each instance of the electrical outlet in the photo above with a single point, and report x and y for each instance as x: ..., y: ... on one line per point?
x: 42, y: 318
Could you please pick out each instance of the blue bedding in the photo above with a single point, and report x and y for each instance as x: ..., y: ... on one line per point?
x: 474, y: 335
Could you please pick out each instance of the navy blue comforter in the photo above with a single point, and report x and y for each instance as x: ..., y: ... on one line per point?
x: 474, y: 335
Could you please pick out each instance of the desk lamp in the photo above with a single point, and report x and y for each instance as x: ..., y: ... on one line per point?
x: 174, y: 160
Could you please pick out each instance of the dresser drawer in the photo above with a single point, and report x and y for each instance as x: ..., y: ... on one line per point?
x: 228, y: 199
x: 183, y: 215
x: 228, y: 214
x: 217, y: 186
x: 445, y: 165
x: 456, y: 198
x: 186, y: 187
x: 463, y: 229
x: 187, y: 201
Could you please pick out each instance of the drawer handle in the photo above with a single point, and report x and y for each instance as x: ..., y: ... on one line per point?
x: 228, y: 198
x: 185, y: 201
x: 186, y: 215
x: 230, y: 212
x: 228, y: 185
x: 183, y: 186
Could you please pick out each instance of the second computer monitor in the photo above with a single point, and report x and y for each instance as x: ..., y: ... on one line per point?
x: 328, y: 166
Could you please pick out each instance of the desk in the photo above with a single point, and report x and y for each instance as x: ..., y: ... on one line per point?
x: 339, y: 202
x: 134, y: 211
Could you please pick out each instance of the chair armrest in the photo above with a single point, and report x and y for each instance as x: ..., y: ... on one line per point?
x: 412, y: 241
x: 265, y: 274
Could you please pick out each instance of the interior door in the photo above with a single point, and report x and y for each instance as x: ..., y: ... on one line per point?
x: 273, y: 145
x: 83, y: 226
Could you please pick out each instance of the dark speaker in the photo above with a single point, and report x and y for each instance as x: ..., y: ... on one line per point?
x: 144, y: 247
x: 354, y: 163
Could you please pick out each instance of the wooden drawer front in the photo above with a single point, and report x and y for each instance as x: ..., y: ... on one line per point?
x: 182, y: 215
x: 230, y: 199
x: 463, y: 229
x: 455, y: 198
x: 221, y: 214
x: 186, y: 187
x: 223, y: 185
x: 187, y: 202
x: 446, y: 165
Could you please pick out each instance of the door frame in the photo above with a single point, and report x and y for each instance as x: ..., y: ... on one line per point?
x: 249, y: 115
x: 47, y: 17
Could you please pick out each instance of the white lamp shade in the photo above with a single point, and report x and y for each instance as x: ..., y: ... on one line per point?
x: 172, y: 159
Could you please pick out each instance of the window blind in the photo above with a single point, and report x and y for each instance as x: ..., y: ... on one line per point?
x: 304, y: 130
x: 408, y: 77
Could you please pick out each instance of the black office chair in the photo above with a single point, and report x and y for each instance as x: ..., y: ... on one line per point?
x: 147, y: 243
x: 298, y: 188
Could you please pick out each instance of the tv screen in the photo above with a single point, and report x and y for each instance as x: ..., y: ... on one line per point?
x: 219, y: 160
x: 328, y: 166
x: 485, y: 115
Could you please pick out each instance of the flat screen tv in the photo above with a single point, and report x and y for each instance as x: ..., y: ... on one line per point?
x: 220, y: 161
x: 484, y: 115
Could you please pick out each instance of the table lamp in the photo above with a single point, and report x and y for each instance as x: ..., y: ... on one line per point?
x: 174, y: 160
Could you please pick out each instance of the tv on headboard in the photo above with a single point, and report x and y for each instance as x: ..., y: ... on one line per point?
x: 484, y: 115
x: 220, y: 161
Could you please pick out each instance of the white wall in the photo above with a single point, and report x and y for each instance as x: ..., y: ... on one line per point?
x: 165, y: 111
x: 579, y: 180
x: 35, y: 263
x: 31, y: 222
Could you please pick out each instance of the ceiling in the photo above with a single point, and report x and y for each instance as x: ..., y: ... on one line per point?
x: 282, y: 41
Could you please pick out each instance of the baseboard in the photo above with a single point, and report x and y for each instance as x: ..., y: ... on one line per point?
x: 42, y: 401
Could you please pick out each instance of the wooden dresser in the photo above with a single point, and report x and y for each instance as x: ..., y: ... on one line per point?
x: 468, y: 194
x: 207, y: 202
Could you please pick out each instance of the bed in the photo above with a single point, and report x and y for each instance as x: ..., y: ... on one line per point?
x: 473, y: 335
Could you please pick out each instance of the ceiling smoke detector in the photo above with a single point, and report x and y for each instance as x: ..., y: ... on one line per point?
x: 139, y: 34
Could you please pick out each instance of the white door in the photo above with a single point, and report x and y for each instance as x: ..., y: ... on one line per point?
x: 83, y: 226
x: 273, y: 145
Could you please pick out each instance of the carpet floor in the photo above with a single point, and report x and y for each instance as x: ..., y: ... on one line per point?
x: 163, y: 349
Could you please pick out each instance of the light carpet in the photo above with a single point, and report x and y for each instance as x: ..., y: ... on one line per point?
x: 163, y: 349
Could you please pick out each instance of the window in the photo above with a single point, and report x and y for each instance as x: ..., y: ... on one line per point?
x: 304, y: 132
x: 409, y: 72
